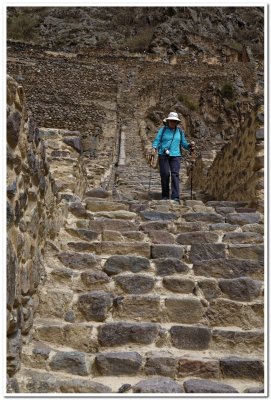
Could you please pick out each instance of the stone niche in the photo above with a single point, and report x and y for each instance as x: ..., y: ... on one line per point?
x: 34, y: 213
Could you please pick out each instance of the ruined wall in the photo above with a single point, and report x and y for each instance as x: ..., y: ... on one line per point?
x: 36, y: 207
x: 237, y: 171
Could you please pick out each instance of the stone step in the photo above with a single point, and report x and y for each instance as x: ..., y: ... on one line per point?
x: 42, y: 381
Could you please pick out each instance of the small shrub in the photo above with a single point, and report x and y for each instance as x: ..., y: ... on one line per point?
x: 21, y: 26
x: 227, y: 91
x: 193, y: 105
x: 141, y: 41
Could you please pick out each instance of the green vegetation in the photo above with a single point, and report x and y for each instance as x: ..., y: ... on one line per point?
x: 193, y: 105
x: 227, y: 91
x: 21, y: 26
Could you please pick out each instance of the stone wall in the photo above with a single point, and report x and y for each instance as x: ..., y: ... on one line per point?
x: 36, y: 207
x: 237, y: 171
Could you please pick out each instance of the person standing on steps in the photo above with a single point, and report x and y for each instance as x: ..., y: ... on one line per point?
x: 168, y: 142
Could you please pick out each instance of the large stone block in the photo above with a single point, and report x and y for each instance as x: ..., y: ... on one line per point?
x: 247, y: 252
x: 84, y: 234
x: 224, y: 312
x: 241, y: 289
x: 161, y: 363
x: 121, y: 333
x: 169, y: 266
x: 118, y: 214
x: 97, y: 192
x: 14, y: 351
x: 242, y: 237
x: 95, y: 305
x: 201, y: 252
x: 13, y: 128
x: 167, y: 251
x: 229, y: 268
x: 94, y: 279
x: 211, y: 218
x: 101, y: 224
x: 82, y: 386
x: 179, y: 285
x: 186, y: 310
x: 203, y: 368
x: 206, y: 386
x: 197, y: 237
x: 209, y: 288
x: 242, y: 368
x: 54, y: 302
x: 158, y: 385
x: 158, y: 216
x: 12, y: 271
x: 153, y: 226
x: 114, y: 248
x: 146, y: 308
x: 118, y: 264
x: 103, y: 205
x: 238, y: 340
x: 79, y: 261
x: 190, y: 337
x: 116, y: 364
x: 73, y: 362
x: 159, y: 237
x: 243, y: 218
x: 135, y: 284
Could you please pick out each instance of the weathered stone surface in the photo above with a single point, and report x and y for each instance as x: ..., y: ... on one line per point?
x: 54, y: 302
x: 84, y: 234
x: 157, y: 385
x: 78, y: 210
x: 135, y: 236
x: 138, y: 284
x: 187, y: 310
x: 112, y: 236
x: 201, y: 252
x: 243, y: 218
x: 247, y: 251
x: 10, y: 214
x: 118, y: 363
x: 203, y: 368
x: 197, y: 237
x: 224, y: 210
x: 259, y: 389
x: 203, y: 217
x: 241, y: 289
x: 253, y: 228
x: 120, y: 333
x: 12, y: 270
x: 118, y: 264
x: 190, y: 337
x: 169, y: 266
x: 206, y: 386
x: 218, y: 203
x: 72, y: 362
x: 78, y: 336
x: 97, y: 192
x: 13, y: 128
x: 78, y: 261
x: 167, y: 251
x: 182, y: 227
x: 146, y: 308
x: 41, y: 383
x: 153, y: 226
x: 229, y: 268
x: 98, y: 205
x: 224, y: 312
x: 101, y: 224
x: 161, y: 363
x: 244, y: 368
x: 94, y: 279
x: 158, y: 216
x: 209, y: 288
x: 74, y: 142
x: 14, y: 351
x: 158, y: 237
x: 95, y: 305
x: 82, y: 386
x: 179, y: 285
x: 238, y: 340
x: 116, y: 248
x: 242, y: 237
x: 118, y: 214
x: 223, y: 227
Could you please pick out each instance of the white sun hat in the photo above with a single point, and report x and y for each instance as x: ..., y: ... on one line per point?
x: 173, y: 116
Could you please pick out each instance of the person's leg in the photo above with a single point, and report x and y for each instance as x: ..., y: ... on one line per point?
x: 164, y: 173
x: 174, y: 163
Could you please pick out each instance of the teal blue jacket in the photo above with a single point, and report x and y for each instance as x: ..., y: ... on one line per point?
x: 170, y: 141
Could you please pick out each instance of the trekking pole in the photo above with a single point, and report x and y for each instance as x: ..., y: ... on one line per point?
x: 151, y: 160
x: 192, y: 162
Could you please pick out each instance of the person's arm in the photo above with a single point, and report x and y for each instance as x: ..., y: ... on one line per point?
x: 184, y: 143
x: 156, y: 141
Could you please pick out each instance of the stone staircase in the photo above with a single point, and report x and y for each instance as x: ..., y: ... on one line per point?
x: 149, y: 296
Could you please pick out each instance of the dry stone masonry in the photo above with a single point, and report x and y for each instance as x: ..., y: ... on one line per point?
x: 109, y: 288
